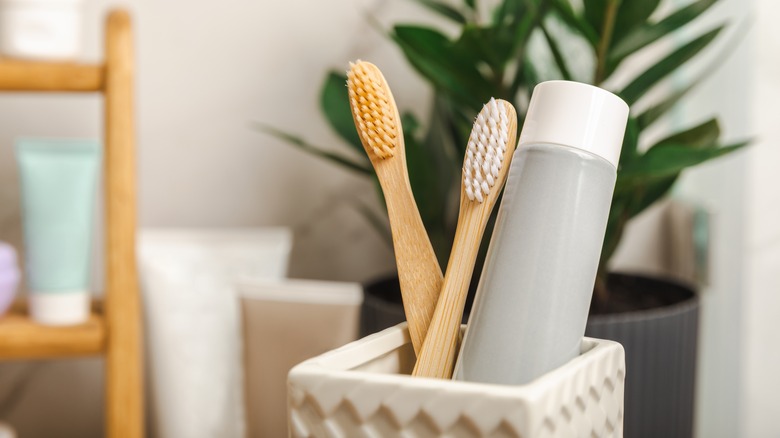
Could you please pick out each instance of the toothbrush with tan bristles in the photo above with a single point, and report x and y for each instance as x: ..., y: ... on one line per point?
x: 485, y: 166
x: 379, y: 127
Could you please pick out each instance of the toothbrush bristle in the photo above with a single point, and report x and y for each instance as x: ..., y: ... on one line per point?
x: 485, y: 151
x: 374, y: 113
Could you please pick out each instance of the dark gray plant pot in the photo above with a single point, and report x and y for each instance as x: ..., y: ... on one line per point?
x: 382, y: 306
x: 660, y: 346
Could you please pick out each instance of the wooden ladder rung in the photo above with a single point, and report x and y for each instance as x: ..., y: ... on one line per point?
x: 22, y: 338
x: 17, y: 75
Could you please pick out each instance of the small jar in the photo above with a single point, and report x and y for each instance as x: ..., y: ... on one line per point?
x: 44, y: 30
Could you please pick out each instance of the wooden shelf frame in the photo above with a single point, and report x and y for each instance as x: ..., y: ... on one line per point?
x: 21, y: 338
x: 116, y: 332
x: 16, y: 75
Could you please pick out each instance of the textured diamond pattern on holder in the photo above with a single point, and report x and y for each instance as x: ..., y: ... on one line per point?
x: 334, y: 396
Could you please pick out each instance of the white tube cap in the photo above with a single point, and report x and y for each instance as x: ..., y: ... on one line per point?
x: 59, y: 308
x: 576, y: 115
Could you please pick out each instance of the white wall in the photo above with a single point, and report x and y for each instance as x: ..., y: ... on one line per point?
x: 761, y: 305
x: 207, y: 70
x: 720, y: 187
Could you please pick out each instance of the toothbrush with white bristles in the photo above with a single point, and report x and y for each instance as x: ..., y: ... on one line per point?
x: 485, y: 166
x: 379, y: 128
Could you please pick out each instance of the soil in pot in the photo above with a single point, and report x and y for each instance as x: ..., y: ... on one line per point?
x: 629, y: 293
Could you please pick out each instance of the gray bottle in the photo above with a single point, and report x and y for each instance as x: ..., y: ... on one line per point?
x: 533, y: 298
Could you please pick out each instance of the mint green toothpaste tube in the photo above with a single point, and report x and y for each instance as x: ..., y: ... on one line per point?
x: 58, y: 183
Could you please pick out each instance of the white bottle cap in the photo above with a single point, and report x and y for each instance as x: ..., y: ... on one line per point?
x: 576, y: 115
x: 60, y: 307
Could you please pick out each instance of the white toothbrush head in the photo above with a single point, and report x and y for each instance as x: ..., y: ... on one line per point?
x: 486, y: 150
x: 373, y: 109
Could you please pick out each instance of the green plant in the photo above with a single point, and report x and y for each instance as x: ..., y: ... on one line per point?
x: 505, y: 55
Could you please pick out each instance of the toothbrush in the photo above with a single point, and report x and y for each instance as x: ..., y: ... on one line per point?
x: 489, y: 151
x: 379, y: 127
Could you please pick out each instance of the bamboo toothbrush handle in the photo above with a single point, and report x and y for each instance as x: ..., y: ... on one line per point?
x: 419, y: 273
x: 379, y: 126
x: 437, y: 358
x: 485, y: 166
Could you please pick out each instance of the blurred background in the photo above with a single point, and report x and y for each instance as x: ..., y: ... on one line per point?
x: 207, y: 72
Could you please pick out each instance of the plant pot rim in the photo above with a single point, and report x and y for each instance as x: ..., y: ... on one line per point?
x: 645, y: 314
x: 662, y: 311
x: 658, y: 278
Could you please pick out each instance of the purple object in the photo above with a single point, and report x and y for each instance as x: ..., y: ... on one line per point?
x: 9, y: 276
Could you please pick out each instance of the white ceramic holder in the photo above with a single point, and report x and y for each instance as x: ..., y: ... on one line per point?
x: 363, y: 390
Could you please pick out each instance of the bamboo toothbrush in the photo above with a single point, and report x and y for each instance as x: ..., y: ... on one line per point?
x: 379, y: 127
x: 485, y: 166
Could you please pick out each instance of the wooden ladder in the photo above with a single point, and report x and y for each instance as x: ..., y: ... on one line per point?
x: 114, y: 327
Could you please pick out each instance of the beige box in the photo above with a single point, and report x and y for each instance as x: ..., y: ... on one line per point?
x: 286, y: 322
x: 363, y: 390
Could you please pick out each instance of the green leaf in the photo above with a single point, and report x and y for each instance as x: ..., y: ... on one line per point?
x: 630, y: 14
x: 434, y: 56
x: 523, y: 26
x: 334, y: 102
x: 357, y: 166
x: 560, y: 62
x: 629, y: 151
x: 594, y: 12
x: 448, y: 131
x: 627, y: 204
x: 564, y: 11
x: 526, y: 75
x: 650, y: 193
x: 616, y: 222
x: 482, y: 43
x: 445, y: 145
x: 642, y: 83
x: 650, y: 115
x: 701, y: 136
x: 444, y: 10
x: 664, y: 160
x: 409, y: 123
x: 506, y: 11
x: 514, y: 21
x: 470, y: 3
x: 427, y: 176
x: 423, y: 179
x: 648, y: 33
